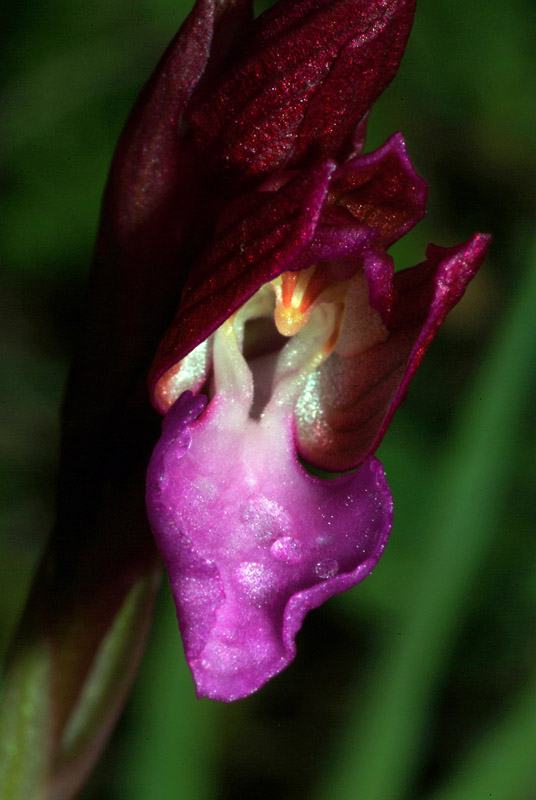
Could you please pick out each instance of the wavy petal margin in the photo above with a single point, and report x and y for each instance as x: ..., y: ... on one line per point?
x: 251, y: 541
x: 382, y: 190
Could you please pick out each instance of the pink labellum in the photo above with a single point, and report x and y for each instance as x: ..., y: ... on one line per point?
x: 252, y: 542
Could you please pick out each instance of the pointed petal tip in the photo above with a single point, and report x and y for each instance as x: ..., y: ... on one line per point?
x: 473, y: 249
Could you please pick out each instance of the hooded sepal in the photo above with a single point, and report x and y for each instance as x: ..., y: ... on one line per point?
x: 152, y: 175
x: 300, y: 87
x: 260, y: 237
x: 340, y: 218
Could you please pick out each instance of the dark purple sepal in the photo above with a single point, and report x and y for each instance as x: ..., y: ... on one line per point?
x: 379, y: 271
x: 301, y: 86
x: 359, y: 393
x: 338, y: 217
x: 256, y: 243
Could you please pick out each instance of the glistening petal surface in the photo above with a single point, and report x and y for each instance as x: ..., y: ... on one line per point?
x: 381, y: 190
x: 252, y: 542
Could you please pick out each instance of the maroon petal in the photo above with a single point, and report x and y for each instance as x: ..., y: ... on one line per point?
x: 338, y: 244
x: 382, y: 190
x: 353, y: 399
x: 372, y: 202
x: 250, y: 249
x: 309, y: 73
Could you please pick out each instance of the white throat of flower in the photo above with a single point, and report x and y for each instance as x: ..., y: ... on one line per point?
x: 247, y: 358
x: 268, y: 353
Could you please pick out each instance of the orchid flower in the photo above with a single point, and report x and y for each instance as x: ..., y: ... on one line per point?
x: 241, y: 177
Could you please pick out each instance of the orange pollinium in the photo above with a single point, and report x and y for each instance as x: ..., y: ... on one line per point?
x: 297, y: 294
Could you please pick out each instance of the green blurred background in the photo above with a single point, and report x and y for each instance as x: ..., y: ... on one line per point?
x: 421, y: 683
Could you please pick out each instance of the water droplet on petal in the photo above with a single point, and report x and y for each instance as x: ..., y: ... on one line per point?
x: 327, y: 568
x: 287, y: 549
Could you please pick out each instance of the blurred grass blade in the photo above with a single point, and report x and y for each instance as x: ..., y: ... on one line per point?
x: 24, y: 723
x: 34, y: 765
x: 385, y: 736
x: 105, y: 690
x: 503, y: 765
x: 171, y: 740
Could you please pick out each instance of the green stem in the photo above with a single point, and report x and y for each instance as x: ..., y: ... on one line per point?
x: 41, y: 759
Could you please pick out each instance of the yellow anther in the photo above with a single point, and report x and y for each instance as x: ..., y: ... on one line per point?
x: 289, y: 320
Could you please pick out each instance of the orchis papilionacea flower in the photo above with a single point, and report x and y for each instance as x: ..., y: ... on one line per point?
x: 241, y: 178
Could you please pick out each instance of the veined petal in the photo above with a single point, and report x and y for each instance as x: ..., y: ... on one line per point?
x: 251, y: 541
x: 253, y: 247
x: 304, y: 80
x: 349, y: 401
x: 339, y: 218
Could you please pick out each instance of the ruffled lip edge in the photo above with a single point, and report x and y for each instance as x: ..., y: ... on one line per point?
x: 306, y: 600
